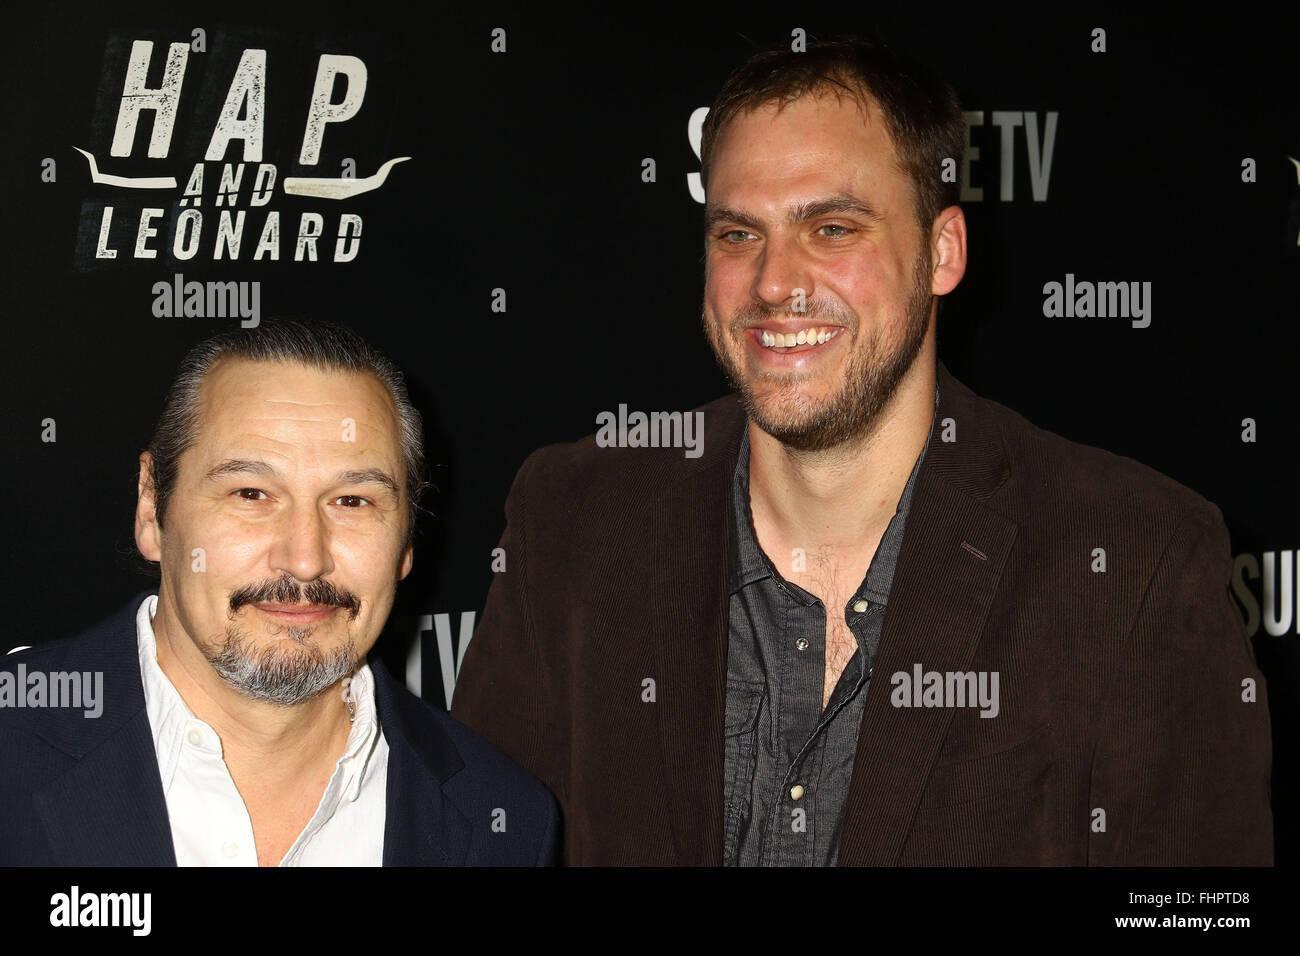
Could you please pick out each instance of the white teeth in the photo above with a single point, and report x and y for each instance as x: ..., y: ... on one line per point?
x: 814, y: 336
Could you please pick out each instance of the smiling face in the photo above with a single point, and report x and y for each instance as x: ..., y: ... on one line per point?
x: 293, y: 491
x: 817, y: 279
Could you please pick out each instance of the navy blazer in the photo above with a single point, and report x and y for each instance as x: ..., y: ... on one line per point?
x: 81, y: 791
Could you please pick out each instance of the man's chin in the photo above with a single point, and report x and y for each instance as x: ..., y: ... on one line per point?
x: 785, y: 410
x: 798, y: 436
x: 803, y: 433
x: 284, y: 674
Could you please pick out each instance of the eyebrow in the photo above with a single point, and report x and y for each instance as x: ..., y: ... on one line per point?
x: 261, y: 469
x: 368, y: 476
x: 799, y: 212
x: 240, y: 466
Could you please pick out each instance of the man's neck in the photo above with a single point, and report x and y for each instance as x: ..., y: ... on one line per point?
x: 844, y: 496
x: 272, y: 744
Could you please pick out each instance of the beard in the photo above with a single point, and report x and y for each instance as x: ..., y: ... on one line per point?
x: 284, y: 674
x: 872, y: 376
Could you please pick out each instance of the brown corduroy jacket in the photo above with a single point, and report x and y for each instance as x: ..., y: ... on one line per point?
x: 1126, y: 732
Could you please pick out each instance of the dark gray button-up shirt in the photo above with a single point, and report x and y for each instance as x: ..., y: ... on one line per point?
x: 779, y: 742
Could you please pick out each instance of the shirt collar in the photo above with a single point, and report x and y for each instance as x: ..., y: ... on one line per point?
x: 168, y: 713
x: 170, y: 717
x: 357, y: 761
x: 750, y: 564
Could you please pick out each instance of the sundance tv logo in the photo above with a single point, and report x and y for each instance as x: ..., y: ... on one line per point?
x: 1265, y: 586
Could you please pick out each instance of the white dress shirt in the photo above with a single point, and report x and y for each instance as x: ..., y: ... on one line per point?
x: 210, y: 824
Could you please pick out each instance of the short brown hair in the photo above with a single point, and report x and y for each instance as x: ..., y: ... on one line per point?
x: 921, y: 110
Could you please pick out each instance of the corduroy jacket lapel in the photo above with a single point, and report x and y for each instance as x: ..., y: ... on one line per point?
x: 954, y: 550
x: 687, y: 620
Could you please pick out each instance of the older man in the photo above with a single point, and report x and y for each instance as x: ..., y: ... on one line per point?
x: 241, y: 724
x: 879, y: 620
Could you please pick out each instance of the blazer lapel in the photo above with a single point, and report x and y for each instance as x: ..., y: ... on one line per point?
x: 953, y: 553
x: 688, y: 625
x: 422, y: 826
x: 109, y: 808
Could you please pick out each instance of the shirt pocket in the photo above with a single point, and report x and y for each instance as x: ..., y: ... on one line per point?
x: 740, y: 743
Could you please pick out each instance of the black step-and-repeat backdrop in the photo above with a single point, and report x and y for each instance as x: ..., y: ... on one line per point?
x: 508, y: 202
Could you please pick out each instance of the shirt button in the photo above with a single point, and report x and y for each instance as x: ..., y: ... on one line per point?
x: 230, y: 850
x: 195, y: 738
x: 802, y: 643
x: 860, y: 606
x: 796, y: 792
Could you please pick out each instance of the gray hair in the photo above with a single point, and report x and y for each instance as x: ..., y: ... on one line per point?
x: 318, y: 345
x: 286, y: 679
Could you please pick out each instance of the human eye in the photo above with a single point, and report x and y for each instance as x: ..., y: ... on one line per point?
x: 357, y: 501
x: 726, y: 236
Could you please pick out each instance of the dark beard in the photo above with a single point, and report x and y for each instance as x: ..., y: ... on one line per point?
x: 869, y: 384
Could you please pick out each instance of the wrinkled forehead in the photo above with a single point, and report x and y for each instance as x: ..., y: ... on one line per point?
x: 286, y: 406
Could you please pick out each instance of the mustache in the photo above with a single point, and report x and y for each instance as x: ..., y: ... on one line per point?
x: 287, y: 590
x: 816, y: 313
